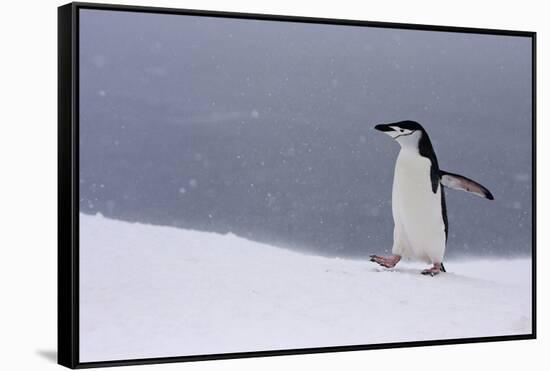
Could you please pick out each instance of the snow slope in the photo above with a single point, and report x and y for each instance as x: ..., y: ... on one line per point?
x: 151, y: 291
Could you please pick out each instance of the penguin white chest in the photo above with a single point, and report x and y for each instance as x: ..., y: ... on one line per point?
x: 417, y: 211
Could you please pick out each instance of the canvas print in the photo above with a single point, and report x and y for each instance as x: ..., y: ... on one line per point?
x: 258, y: 185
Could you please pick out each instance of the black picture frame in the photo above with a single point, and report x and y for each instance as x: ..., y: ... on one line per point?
x: 68, y: 184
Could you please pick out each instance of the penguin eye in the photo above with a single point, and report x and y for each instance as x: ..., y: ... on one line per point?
x: 401, y: 130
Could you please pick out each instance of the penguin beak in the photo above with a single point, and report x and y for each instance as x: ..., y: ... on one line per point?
x: 383, y: 128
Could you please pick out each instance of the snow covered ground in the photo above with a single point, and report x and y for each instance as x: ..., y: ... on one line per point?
x: 150, y: 291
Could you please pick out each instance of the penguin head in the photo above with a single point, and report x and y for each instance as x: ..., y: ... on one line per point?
x: 406, y: 133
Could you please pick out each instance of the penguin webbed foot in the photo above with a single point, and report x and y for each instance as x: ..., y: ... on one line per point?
x: 436, y: 269
x: 386, y: 262
x: 429, y: 272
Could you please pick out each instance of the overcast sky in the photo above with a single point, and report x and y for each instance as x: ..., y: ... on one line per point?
x: 264, y: 128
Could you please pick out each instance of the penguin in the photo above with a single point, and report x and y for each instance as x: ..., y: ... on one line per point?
x: 419, y: 212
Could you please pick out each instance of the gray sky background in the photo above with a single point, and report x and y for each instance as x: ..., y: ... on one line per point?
x: 264, y: 128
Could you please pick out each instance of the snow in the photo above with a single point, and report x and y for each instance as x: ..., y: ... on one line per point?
x: 152, y: 291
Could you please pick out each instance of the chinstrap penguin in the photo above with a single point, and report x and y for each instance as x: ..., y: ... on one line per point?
x: 418, y: 199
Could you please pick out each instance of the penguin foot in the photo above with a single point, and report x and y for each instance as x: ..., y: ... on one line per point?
x: 387, y: 262
x: 436, y: 269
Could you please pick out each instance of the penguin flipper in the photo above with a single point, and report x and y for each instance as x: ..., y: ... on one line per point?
x: 462, y: 183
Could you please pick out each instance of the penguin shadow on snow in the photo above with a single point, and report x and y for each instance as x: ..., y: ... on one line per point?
x: 415, y: 272
x: 403, y: 270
